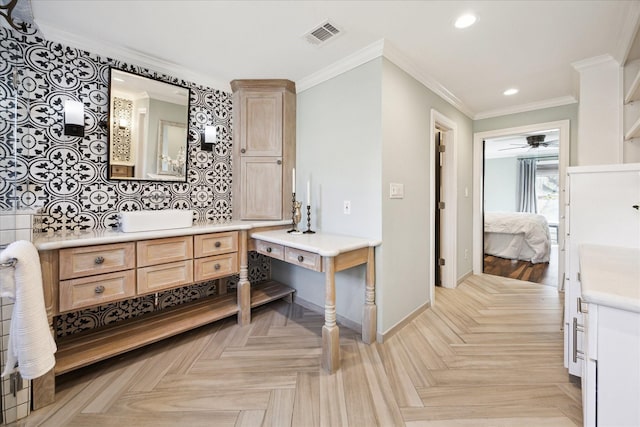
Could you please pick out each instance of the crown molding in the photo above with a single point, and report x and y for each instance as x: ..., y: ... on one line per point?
x: 376, y: 50
x: 523, y: 108
x: 348, y: 63
x: 394, y: 55
x: 594, y: 61
x: 628, y: 32
x: 130, y: 55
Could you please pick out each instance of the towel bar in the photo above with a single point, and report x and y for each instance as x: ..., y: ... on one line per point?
x: 9, y: 263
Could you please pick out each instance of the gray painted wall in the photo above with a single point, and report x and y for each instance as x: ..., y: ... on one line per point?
x: 406, y: 115
x: 500, y: 184
x: 356, y: 133
x: 564, y: 112
x: 339, y: 148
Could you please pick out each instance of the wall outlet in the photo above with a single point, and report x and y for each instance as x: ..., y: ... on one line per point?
x: 347, y: 207
x: 466, y: 254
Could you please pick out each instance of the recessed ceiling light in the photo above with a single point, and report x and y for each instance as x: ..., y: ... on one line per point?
x: 465, y: 21
x: 511, y: 91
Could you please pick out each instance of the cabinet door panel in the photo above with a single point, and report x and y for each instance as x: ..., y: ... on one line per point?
x: 76, y: 294
x: 215, y: 244
x: 261, y: 179
x: 89, y: 260
x: 215, y: 266
x: 261, y: 125
x: 161, y: 251
x: 166, y: 276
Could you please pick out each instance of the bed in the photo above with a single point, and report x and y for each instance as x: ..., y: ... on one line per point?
x: 517, y: 235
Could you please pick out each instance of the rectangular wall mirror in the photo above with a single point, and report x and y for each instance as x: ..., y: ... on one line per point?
x: 148, y: 128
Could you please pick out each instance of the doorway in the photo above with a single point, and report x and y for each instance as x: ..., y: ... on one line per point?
x: 439, y: 206
x: 521, y: 207
x: 480, y: 199
x: 443, y: 244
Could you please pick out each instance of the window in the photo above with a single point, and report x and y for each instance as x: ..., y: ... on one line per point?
x: 547, y: 191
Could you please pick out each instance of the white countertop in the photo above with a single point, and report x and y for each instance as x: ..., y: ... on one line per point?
x: 320, y: 243
x: 610, y: 276
x: 71, y: 239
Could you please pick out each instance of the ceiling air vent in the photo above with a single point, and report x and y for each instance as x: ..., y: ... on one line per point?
x: 322, y: 33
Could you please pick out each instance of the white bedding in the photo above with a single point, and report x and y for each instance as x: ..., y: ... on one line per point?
x: 517, y: 235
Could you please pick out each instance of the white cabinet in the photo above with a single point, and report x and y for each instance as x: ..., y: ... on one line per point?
x: 600, y: 211
x: 611, y: 367
x: 611, y: 381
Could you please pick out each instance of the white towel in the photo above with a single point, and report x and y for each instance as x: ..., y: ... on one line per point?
x: 30, y: 342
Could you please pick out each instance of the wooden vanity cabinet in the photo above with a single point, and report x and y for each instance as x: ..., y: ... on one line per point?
x: 264, y: 153
x: 88, y: 276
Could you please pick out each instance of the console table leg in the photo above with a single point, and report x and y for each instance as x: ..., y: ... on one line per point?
x: 244, y: 287
x: 370, y: 311
x: 330, y: 331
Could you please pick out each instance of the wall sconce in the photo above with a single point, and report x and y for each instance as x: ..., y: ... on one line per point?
x: 73, y: 118
x: 209, y: 138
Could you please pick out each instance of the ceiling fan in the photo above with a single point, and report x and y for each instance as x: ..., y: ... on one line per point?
x: 533, y: 142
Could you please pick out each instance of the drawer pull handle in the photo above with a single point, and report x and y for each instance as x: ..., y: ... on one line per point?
x: 99, y: 289
x: 216, y: 267
x: 218, y: 244
x: 269, y: 249
x: 99, y: 260
x: 300, y: 258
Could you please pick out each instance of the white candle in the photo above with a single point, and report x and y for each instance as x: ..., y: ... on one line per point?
x: 293, y: 178
x: 308, y: 193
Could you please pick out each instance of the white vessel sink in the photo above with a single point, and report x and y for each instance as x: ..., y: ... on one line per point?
x: 155, y: 220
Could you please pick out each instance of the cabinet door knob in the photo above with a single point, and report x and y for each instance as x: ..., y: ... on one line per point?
x: 636, y: 207
x: 243, y: 150
x: 218, y: 244
x: 216, y: 267
x: 99, y: 260
x: 269, y: 249
x: 279, y: 162
x: 300, y: 258
x: 99, y: 289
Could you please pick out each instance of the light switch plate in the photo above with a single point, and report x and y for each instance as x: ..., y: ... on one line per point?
x: 396, y: 191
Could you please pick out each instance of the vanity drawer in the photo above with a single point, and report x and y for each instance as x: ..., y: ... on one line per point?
x: 303, y: 259
x: 76, y: 294
x: 270, y: 249
x: 215, y: 244
x: 160, y: 277
x: 215, y: 266
x: 90, y: 260
x: 162, y: 251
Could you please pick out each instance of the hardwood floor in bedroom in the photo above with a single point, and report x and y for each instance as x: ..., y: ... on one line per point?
x: 544, y: 273
x: 488, y: 353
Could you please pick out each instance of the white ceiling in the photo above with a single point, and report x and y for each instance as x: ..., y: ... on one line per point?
x: 525, y: 44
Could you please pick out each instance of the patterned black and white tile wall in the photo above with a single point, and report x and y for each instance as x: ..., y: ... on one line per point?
x: 67, y: 176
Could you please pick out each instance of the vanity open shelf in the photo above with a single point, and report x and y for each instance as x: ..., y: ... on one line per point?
x: 85, y: 348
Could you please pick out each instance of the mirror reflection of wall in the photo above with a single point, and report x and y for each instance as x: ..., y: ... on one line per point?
x: 148, y: 128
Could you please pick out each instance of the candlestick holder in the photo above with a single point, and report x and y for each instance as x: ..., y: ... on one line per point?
x: 309, y: 230
x: 296, y: 215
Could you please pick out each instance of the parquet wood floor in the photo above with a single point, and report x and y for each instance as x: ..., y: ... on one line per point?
x: 488, y: 353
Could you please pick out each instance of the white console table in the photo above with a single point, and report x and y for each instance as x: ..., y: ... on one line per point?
x: 327, y: 253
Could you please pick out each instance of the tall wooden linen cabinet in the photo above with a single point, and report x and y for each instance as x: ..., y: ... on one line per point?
x: 264, y: 148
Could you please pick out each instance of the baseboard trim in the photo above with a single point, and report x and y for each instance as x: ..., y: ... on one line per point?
x: 320, y: 310
x: 404, y: 322
x: 465, y: 277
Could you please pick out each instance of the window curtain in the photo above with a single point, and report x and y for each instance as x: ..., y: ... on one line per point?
x: 527, y: 186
